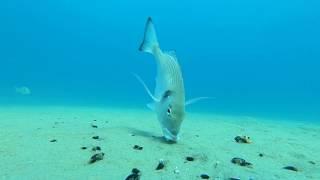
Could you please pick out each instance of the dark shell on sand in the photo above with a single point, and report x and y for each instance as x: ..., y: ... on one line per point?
x: 96, y: 148
x: 160, y: 165
x: 204, y: 176
x: 241, y: 162
x: 135, y: 174
x: 137, y: 147
x: 96, y: 157
x: 95, y: 137
x: 189, y: 158
x: 243, y: 139
x: 291, y: 168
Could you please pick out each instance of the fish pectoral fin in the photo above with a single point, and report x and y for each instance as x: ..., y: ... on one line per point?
x: 146, y: 87
x: 194, y: 100
x: 152, y: 106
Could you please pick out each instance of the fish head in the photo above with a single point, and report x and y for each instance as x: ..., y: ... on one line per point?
x: 171, y: 114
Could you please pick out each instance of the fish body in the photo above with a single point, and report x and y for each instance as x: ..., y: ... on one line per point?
x: 169, y: 94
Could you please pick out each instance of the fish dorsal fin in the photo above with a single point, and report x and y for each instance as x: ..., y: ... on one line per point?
x: 194, y: 100
x: 146, y: 87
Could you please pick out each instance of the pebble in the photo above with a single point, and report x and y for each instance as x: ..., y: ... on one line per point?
x: 312, y: 162
x: 204, y: 176
x: 96, y: 157
x: 291, y: 168
x: 189, y: 158
x: 135, y: 171
x: 94, y: 126
x: 241, y: 162
x: 261, y: 155
x: 135, y: 174
x: 137, y: 147
x: 83, y: 148
x: 95, y: 137
x: 234, y: 178
x: 53, y: 140
x: 160, y: 165
x: 242, y: 139
x: 176, y: 170
x: 96, y: 148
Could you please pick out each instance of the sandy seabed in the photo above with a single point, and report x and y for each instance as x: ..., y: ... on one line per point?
x: 26, y: 150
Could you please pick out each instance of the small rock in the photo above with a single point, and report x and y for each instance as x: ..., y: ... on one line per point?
x: 94, y: 120
x: 189, y: 158
x: 243, y: 139
x: 137, y: 147
x: 96, y: 148
x: 135, y: 174
x: 96, y: 157
x: 291, y: 168
x: 83, y: 148
x: 234, y: 178
x: 53, y: 140
x: 241, y: 162
x: 94, y: 126
x: 95, y: 137
x: 312, y: 162
x: 176, y: 170
x: 204, y: 176
x: 261, y: 155
x: 216, y: 164
x: 135, y: 171
x: 160, y: 165
x: 133, y: 177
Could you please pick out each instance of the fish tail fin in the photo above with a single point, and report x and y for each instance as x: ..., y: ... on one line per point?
x: 150, y: 41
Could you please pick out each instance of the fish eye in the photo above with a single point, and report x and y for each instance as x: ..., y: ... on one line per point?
x: 169, y: 111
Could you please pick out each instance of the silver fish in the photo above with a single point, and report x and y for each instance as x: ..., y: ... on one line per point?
x: 169, y: 95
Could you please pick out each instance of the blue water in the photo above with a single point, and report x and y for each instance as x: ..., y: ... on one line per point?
x: 257, y: 58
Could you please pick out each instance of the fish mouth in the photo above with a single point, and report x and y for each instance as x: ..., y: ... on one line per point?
x: 170, y: 137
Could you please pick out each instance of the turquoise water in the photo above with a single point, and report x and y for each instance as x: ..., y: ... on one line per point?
x: 256, y: 57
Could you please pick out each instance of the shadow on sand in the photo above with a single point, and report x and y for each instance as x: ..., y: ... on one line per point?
x: 149, y: 135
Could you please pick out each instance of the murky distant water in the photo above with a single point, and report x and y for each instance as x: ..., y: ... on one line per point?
x: 256, y: 58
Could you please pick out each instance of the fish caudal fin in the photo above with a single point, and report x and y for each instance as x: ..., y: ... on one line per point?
x: 150, y: 41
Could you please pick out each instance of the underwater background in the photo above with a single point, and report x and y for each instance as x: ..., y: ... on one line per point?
x: 256, y: 58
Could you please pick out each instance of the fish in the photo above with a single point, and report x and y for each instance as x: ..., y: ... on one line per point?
x: 23, y: 90
x: 169, y: 95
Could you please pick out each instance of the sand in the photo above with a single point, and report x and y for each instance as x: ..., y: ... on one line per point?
x: 27, y: 153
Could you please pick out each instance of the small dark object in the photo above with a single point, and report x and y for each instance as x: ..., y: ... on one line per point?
x: 95, y: 137
x: 291, y: 168
x: 204, y: 176
x: 94, y: 126
x: 242, y: 139
x: 53, y: 140
x: 241, y: 162
x: 96, y: 157
x: 160, y: 165
x: 83, y: 148
x: 94, y: 120
x: 133, y: 177
x: 312, y: 162
x: 234, y: 178
x: 261, y: 155
x: 137, y: 147
x: 96, y: 148
x: 189, y: 158
x: 135, y: 171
